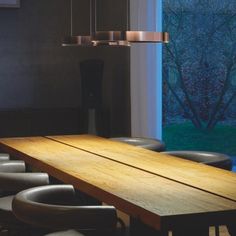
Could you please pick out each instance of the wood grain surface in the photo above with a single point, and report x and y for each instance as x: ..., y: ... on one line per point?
x: 207, y: 178
x: 157, y: 201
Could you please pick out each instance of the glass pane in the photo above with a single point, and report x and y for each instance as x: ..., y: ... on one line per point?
x: 199, y: 75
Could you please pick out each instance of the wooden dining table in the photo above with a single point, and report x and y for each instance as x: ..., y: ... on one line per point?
x: 161, y: 191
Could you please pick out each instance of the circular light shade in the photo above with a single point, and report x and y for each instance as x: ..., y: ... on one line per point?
x: 117, y: 38
x: 147, y: 37
x: 77, y: 41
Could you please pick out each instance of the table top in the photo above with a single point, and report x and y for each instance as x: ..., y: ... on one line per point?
x: 210, y: 179
x: 156, y: 199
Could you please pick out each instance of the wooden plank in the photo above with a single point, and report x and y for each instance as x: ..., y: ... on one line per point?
x: 157, y: 201
x: 207, y: 178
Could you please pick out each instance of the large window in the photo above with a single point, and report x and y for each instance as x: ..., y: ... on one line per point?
x: 199, y: 75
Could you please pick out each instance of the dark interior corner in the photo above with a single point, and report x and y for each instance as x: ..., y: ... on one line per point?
x: 41, y: 85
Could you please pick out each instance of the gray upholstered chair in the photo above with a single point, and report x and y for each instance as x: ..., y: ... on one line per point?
x: 147, y: 143
x: 12, y: 183
x: 56, y: 207
x: 4, y: 157
x: 209, y: 158
x: 12, y: 166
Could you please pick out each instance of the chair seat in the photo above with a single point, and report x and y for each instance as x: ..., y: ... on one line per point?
x: 65, y: 233
x: 147, y: 143
x: 209, y: 158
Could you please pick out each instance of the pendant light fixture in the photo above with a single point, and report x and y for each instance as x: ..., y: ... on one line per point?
x: 111, y: 38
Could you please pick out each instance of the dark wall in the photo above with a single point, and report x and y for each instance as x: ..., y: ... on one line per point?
x: 112, y: 15
x: 39, y: 77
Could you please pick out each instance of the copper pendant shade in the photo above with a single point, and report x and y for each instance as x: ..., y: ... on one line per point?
x: 111, y: 38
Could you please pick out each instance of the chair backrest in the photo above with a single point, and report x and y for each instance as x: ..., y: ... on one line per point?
x: 12, y: 166
x: 147, y: 143
x: 209, y: 158
x: 16, y: 182
x: 4, y: 157
x: 52, y: 207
